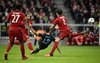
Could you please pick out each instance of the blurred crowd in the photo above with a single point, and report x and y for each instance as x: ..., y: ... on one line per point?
x: 82, y: 10
x: 41, y: 11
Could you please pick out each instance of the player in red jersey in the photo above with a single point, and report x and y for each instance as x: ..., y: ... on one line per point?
x: 63, y: 27
x: 16, y: 17
x: 88, y: 37
x: 25, y: 33
x: 95, y: 37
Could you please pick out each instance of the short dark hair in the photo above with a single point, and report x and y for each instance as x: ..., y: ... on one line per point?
x: 47, y: 29
x: 18, y: 6
x: 59, y: 11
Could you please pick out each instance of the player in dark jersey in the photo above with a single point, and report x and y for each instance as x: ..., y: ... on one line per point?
x: 15, y: 18
x: 45, y: 41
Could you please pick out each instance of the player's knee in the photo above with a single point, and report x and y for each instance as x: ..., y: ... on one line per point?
x: 28, y: 41
x: 57, y: 40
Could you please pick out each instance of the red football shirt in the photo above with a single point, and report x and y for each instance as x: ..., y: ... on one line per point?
x: 62, y: 23
x: 16, y: 17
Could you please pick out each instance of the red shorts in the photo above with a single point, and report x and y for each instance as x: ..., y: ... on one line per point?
x: 15, y: 33
x: 64, y: 34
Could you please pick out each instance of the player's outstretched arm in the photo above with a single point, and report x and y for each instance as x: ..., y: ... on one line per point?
x: 52, y: 27
x: 59, y: 50
x: 33, y: 32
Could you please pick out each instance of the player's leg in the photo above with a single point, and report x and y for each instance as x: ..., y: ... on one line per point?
x: 67, y: 41
x: 90, y: 40
x: 36, y: 51
x: 17, y: 42
x: 11, y: 38
x: 72, y: 41
x: 81, y: 40
x: 41, y: 47
x: 55, y: 46
x: 75, y: 34
x: 29, y: 45
x: 60, y: 37
x: 86, y: 41
x: 19, y: 36
x: 97, y: 42
x: 23, y: 50
x: 77, y: 41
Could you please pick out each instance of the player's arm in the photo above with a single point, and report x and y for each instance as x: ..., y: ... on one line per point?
x: 55, y: 22
x: 6, y: 23
x: 59, y: 50
x: 8, y: 18
x: 51, y: 28
x: 33, y: 32
x: 7, y: 27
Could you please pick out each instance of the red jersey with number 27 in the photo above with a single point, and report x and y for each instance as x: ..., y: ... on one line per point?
x: 16, y: 17
x: 62, y: 23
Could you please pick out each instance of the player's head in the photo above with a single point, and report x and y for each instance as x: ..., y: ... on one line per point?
x: 47, y: 30
x: 87, y: 29
x: 18, y: 5
x: 59, y: 12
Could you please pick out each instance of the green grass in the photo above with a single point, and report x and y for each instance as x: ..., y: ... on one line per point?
x: 72, y: 54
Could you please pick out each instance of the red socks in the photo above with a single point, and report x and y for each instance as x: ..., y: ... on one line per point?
x: 30, y: 46
x: 9, y: 47
x: 22, y: 50
x: 16, y: 42
x: 54, y: 47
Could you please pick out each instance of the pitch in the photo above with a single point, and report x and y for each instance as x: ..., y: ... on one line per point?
x: 72, y: 54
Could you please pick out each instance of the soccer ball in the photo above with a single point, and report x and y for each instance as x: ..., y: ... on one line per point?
x: 91, y: 20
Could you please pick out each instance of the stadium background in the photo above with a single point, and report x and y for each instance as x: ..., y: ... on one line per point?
x: 77, y: 13
x: 43, y: 13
